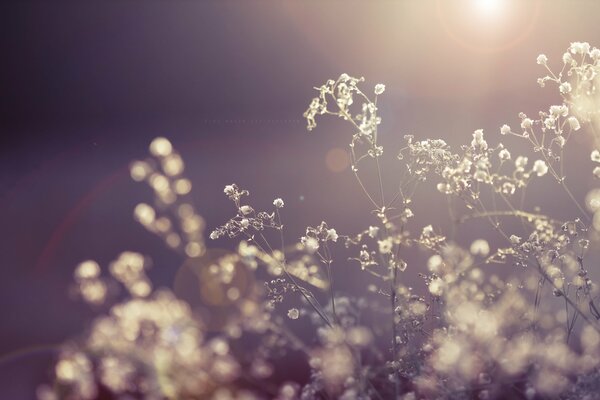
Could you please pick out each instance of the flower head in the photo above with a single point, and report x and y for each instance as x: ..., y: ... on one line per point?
x: 379, y: 88
x: 542, y: 59
x: 540, y: 167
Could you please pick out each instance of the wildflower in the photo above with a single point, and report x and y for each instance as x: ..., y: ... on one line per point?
x: 373, y: 230
x: 542, y: 59
x: 508, y: 188
x: 480, y: 247
x: 478, y: 141
x: 436, y: 286
x: 311, y: 112
x: 246, y: 210
x: 565, y: 88
x: 332, y: 235
x: 214, y: 235
x: 521, y: 162
x: 504, y: 155
x: 595, y: 156
x: 344, y: 96
x: 574, y: 123
x: 364, y: 255
x: 579, y: 48
x: 310, y: 244
x: 540, y: 167
x: 550, y: 123
x: 567, y: 58
x: 427, y: 231
x: 541, y: 82
x: 504, y: 129
x: 595, y: 53
x: 385, y: 246
x: 245, y: 222
x: 293, y: 313
x: 559, y: 111
x: 480, y: 175
x: 379, y: 88
x: 434, y: 263
x: 278, y: 203
x: 229, y: 190
x: 526, y: 123
x: 597, y: 172
x: 514, y: 239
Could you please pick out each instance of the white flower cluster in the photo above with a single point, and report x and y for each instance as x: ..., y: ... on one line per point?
x: 247, y: 219
x: 343, y: 92
x: 319, y: 235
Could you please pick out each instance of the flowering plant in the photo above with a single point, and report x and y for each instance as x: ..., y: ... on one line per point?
x: 471, y: 333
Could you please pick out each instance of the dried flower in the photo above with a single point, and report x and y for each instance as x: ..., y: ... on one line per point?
x: 540, y: 167
x: 278, y: 203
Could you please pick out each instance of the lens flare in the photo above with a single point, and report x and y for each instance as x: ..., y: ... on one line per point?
x: 488, y: 6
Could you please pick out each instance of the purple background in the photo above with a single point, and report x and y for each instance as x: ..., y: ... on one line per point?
x: 85, y: 86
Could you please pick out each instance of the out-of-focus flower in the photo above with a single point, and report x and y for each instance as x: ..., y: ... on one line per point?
x: 540, y: 167
x: 542, y: 59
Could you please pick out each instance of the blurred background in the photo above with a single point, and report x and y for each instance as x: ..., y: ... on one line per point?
x: 85, y: 86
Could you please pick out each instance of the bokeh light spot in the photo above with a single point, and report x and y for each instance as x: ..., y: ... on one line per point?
x: 337, y: 160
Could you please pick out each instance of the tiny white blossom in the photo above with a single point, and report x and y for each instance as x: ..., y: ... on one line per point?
x: 596, y: 172
x: 436, y: 286
x: 504, y: 129
x: 278, y: 203
x: 580, y: 47
x: 245, y: 222
x: 373, y: 230
x: 526, y: 123
x: 540, y: 167
x: 480, y: 175
x: 293, y: 313
x: 332, y: 235
x: 542, y: 82
x: 364, y: 255
x: 559, y: 110
x: 550, y: 123
x: 434, y: 263
x: 379, y: 88
x: 565, y: 88
x: 427, y: 231
x: 574, y: 123
x: 504, y: 155
x: 214, y: 235
x: 246, y: 210
x: 542, y: 59
x: 567, y: 58
x: 595, y: 156
x: 480, y: 247
x: 385, y: 246
x: 521, y: 162
x: 478, y: 140
x: 310, y: 244
x: 229, y: 190
x: 514, y: 239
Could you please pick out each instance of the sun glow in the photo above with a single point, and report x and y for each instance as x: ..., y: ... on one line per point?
x: 488, y: 6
